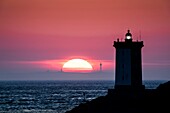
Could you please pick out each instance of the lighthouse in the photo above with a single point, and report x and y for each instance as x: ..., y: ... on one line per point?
x: 100, y: 67
x: 128, y: 64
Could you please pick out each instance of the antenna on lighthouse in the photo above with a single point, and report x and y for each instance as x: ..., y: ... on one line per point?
x: 140, y: 35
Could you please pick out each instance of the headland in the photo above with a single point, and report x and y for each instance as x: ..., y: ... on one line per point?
x: 129, y: 101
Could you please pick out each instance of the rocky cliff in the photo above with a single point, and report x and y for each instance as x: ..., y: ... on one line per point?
x: 145, y: 101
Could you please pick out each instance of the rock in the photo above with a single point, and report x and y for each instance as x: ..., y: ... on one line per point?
x: 149, y: 100
x: 164, y: 87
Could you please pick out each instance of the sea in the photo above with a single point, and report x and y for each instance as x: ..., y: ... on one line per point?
x: 53, y: 96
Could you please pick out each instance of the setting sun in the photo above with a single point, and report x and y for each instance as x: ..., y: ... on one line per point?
x: 77, y: 65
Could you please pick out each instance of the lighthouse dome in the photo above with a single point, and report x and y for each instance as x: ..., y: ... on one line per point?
x: 128, y: 35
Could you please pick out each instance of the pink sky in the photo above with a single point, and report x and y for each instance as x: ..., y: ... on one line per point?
x: 46, y: 30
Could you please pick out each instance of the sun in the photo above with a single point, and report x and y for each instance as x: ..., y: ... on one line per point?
x: 77, y: 65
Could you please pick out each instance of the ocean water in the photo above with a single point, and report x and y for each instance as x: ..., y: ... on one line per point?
x: 52, y: 96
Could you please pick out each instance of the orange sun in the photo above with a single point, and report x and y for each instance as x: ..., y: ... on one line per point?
x: 77, y: 65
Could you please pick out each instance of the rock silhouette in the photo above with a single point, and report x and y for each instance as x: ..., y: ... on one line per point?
x: 146, y: 101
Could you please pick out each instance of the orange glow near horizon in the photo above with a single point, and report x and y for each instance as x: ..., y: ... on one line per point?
x: 77, y: 65
x: 57, y: 65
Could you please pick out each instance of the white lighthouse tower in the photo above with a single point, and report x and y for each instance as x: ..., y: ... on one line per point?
x: 128, y: 63
x: 100, y: 67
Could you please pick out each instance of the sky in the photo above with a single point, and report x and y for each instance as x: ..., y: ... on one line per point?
x: 38, y: 36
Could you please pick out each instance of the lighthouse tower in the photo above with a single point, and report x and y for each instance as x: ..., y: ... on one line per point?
x: 128, y: 73
x: 100, y: 67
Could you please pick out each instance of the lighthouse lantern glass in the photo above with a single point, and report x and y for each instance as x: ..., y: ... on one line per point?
x: 128, y: 37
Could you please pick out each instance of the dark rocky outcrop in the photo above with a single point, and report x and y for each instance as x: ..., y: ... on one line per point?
x: 146, y: 101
